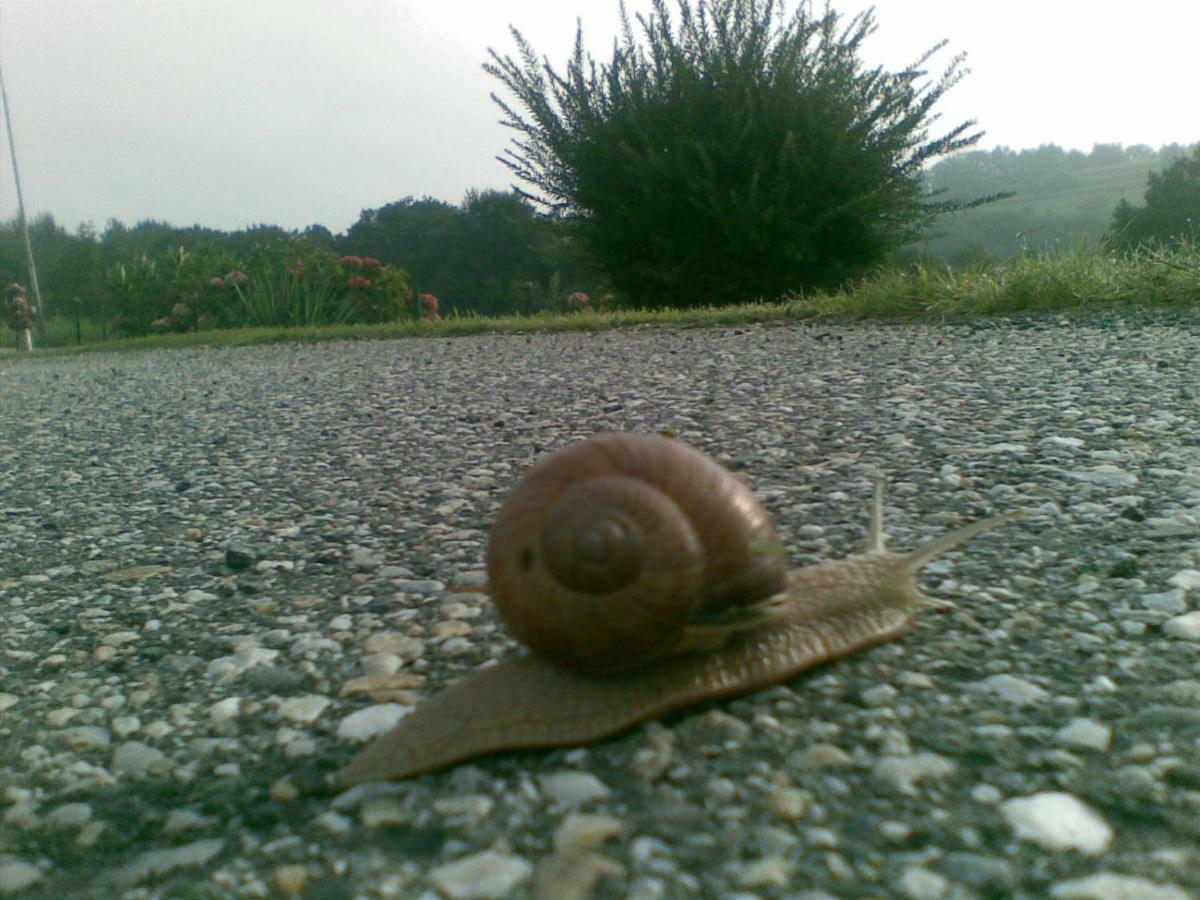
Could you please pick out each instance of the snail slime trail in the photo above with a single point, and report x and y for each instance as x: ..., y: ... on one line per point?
x: 642, y: 576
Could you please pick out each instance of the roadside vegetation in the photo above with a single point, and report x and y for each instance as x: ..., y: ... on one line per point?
x: 1082, y: 279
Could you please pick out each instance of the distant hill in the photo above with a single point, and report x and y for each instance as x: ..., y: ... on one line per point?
x: 1061, y: 197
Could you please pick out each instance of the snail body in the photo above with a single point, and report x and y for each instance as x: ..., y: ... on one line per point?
x: 736, y: 619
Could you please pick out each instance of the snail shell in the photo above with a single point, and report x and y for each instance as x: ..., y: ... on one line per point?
x: 719, y: 614
x: 621, y: 549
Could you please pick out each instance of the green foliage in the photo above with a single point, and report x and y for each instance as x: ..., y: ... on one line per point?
x: 1172, y: 207
x: 163, y: 293
x: 731, y: 152
x: 281, y: 282
x: 492, y: 254
x: 1059, y: 197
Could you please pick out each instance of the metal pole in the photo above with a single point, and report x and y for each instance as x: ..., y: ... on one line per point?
x: 33, y: 279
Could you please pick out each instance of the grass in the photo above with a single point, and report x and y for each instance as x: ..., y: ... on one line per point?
x: 1081, y: 279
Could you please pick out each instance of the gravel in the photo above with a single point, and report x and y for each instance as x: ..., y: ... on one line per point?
x: 225, y: 569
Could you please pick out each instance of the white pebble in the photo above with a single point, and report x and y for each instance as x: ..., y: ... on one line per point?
x: 919, y: 883
x: 904, y: 773
x: 1110, y: 886
x: 1087, y: 734
x: 573, y: 788
x: 371, y: 721
x: 18, y: 875
x: 304, y: 709
x: 136, y: 758
x: 1012, y: 689
x: 226, y: 667
x: 1187, y: 579
x: 1173, y: 601
x: 70, y: 815
x: 160, y: 862
x: 580, y: 832
x: 482, y: 876
x: 1057, y: 821
x: 1186, y: 627
x: 225, y: 710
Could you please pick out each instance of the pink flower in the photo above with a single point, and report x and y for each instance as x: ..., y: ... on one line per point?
x: 236, y: 277
x: 350, y: 261
x: 216, y: 282
x: 358, y: 281
x: 579, y: 301
x: 371, y: 262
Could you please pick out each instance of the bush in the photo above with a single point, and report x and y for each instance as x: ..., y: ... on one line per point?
x: 731, y: 153
x: 279, y: 284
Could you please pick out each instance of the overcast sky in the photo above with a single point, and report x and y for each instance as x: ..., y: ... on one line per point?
x: 227, y: 113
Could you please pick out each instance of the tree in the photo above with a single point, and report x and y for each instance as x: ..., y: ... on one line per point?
x: 730, y: 154
x: 1172, y: 210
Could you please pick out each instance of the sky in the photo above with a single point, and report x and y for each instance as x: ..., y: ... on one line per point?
x: 228, y: 113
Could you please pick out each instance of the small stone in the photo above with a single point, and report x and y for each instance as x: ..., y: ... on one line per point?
x: 291, y: 879
x: 483, y: 876
x: 821, y: 756
x: 17, y: 875
x: 382, y: 810
x: 1057, y: 821
x: 283, y: 791
x: 136, y: 573
x: 1105, y: 474
x: 227, y: 667
x: 772, y: 871
x: 86, y: 737
x: 380, y: 664
x: 919, y: 883
x: 1087, y: 734
x: 988, y: 874
x: 160, y: 862
x: 1110, y: 886
x: 579, y: 832
x: 1017, y: 691
x: 304, y: 710
x: 334, y: 823
x: 789, y: 803
x: 8, y: 701
x: 185, y: 820
x: 468, y: 809
x: 1185, y: 627
x: 393, y: 642
x: 371, y: 721
x: 69, y: 815
x: 451, y: 628
x: 1187, y: 579
x: 987, y: 794
x: 1172, y: 602
x: 422, y: 586
x: 136, y: 758
x: 90, y: 834
x: 225, y: 710
x: 879, y: 695
x: 572, y: 876
x: 904, y: 773
x: 396, y: 687
x: 570, y: 788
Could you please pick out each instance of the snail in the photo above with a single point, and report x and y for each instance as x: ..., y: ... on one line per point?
x: 642, y: 576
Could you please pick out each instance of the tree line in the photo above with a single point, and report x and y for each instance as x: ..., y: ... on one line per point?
x: 491, y: 254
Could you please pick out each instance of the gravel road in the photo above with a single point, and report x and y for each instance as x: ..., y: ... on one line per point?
x: 222, y: 569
